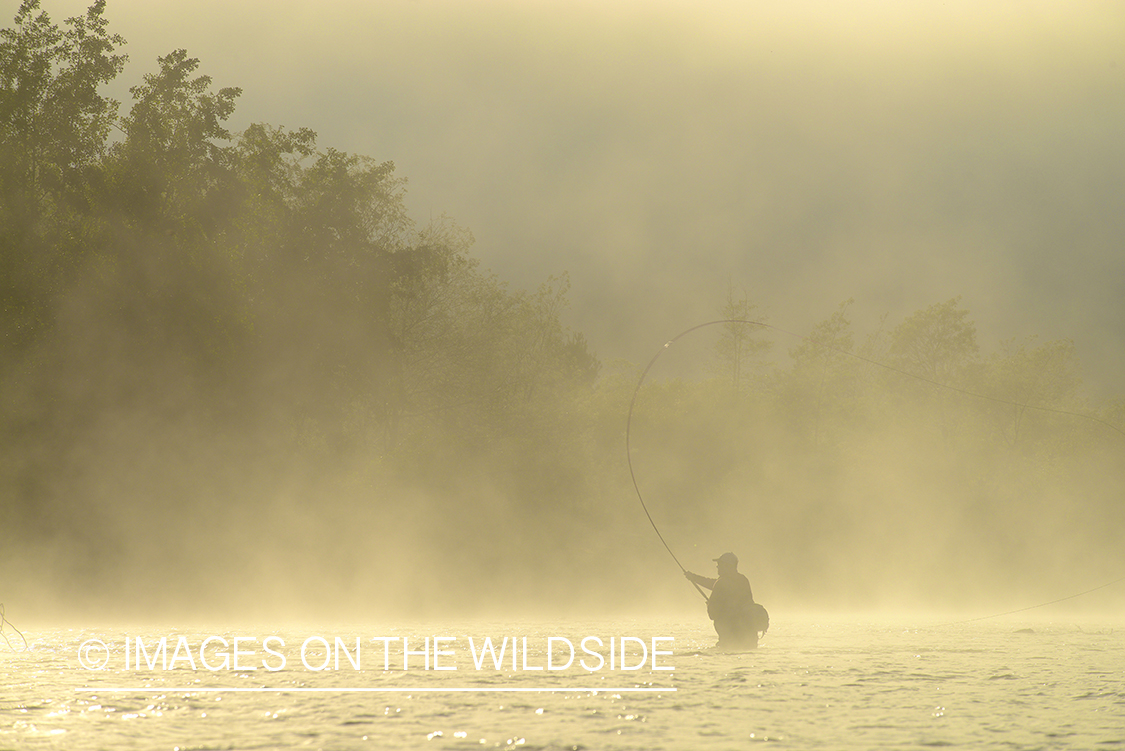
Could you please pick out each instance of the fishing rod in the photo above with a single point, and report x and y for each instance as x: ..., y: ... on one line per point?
x: 629, y: 425
x: 886, y: 366
x: 629, y: 453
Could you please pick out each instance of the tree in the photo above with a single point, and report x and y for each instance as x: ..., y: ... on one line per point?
x: 938, y: 343
x: 823, y: 379
x: 740, y: 344
x: 1027, y: 376
x: 53, y: 122
x: 54, y: 127
x: 938, y: 347
x: 171, y: 169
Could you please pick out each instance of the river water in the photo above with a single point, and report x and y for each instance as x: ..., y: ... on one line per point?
x: 643, y: 684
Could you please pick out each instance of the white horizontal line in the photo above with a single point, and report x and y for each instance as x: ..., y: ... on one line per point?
x: 192, y: 690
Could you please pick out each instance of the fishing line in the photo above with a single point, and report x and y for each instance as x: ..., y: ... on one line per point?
x: 1032, y: 607
x: 885, y: 366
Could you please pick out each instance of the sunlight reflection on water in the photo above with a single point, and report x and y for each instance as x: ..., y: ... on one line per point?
x: 811, y: 684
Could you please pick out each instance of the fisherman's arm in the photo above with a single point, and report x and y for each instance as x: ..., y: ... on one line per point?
x: 702, y: 581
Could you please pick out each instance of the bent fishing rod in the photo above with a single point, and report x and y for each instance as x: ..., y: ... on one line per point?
x: 629, y: 453
x: 829, y: 347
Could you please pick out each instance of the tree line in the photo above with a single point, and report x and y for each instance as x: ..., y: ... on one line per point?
x: 904, y: 452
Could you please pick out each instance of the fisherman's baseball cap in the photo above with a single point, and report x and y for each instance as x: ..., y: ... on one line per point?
x: 730, y: 558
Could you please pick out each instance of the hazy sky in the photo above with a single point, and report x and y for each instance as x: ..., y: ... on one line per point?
x: 808, y: 152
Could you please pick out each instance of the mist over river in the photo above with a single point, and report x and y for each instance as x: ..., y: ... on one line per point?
x: 324, y: 330
x: 1011, y: 683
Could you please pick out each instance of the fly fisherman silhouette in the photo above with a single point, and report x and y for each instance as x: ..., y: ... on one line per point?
x: 738, y: 619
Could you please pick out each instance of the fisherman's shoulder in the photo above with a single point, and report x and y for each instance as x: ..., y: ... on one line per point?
x: 735, y: 583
